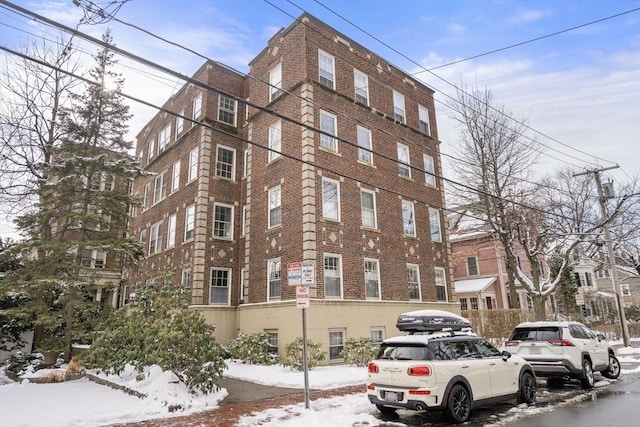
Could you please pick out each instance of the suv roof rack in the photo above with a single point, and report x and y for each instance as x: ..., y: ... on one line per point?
x: 431, y: 321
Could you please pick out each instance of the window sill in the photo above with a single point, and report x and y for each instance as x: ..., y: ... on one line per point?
x: 408, y: 178
x: 327, y: 150
x: 332, y: 221
x: 371, y: 165
x: 371, y: 229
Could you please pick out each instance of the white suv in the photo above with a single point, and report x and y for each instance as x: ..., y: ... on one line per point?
x: 558, y: 350
x: 454, y: 371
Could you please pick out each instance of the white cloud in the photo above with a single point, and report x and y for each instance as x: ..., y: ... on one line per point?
x: 456, y: 28
x: 526, y: 16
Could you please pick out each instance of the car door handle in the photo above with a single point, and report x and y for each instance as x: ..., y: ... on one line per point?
x: 464, y: 366
x: 492, y: 364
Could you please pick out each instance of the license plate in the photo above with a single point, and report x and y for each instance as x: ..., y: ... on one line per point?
x: 392, y: 396
x: 535, y: 350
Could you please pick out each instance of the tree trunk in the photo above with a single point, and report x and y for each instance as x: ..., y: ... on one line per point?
x: 538, y: 307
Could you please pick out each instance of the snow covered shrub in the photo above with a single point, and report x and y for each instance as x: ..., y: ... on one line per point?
x: 160, y: 330
x: 252, y: 348
x: 359, y: 351
x: 293, y: 355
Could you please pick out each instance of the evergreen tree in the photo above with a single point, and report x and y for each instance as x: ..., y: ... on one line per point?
x: 566, y: 290
x: 14, y: 320
x: 78, y: 226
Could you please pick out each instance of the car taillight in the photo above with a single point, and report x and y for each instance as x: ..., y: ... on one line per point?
x: 373, y: 368
x: 561, y: 343
x: 420, y: 392
x: 421, y: 370
x: 511, y: 343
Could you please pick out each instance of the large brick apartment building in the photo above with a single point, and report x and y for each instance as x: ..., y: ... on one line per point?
x: 245, y: 189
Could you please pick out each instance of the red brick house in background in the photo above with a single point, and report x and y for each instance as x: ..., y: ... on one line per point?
x: 242, y: 191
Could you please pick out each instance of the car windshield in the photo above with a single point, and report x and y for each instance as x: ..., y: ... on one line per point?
x: 545, y: 333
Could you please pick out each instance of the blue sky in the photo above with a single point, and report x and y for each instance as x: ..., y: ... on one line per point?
x: 581, y: 88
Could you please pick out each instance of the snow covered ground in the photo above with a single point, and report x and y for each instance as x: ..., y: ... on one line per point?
x: 84, y: 403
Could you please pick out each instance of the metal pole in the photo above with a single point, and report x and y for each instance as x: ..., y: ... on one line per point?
x: 612, y: 263
x: 304, y: 358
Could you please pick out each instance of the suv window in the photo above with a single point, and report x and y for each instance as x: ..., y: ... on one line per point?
x: 580, y: 332
x: 405, y: 352
x: 486, y: 349
x: 462, y: 349
x: 545, y: 333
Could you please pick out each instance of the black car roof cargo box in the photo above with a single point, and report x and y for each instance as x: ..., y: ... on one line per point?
x: 431, y: 321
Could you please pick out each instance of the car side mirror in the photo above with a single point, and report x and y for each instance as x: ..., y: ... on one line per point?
x: 601, y: 337
x: 505, y: 355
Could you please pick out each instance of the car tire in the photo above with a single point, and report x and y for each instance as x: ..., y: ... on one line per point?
x: 586, y: 378
x: 386, y: 409
x: 527, y: 392
x: 458, y: 404
x: 613, y: 371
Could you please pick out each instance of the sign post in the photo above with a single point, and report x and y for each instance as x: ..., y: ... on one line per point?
x: 304, y: 276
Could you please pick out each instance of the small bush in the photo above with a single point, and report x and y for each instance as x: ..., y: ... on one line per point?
x: 359, y: 351
x: 252, y: 348
x: 293, y: 355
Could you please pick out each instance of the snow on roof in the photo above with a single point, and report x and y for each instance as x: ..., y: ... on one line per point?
x: 434, y: 313
x: 473, y: 285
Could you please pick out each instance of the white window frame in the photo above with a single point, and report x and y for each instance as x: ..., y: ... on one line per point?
x: 338, y: 334
x: 377, y: 335
x: 440, y: 280
x: 327, y: 142
x: 372, y: 275
x: 186, y: 278
x: 228, y: 272
x: 151, y: 149
x: 330, y: 204
x: 399, y: 111
x: 171, y: 231
x: 227, y: 226
x: 404, y: 161
x: 423, y: 118
x: 196, y: 107
x: 179, y: 124
x: 227, y: 105
x: 368, y: 212
x: 275, y: 141
x: 224, y: 168
x: 190, y: 222
x: 274, y: 274
x: 193, y: 164
x: 245, y: 165
x: 155, y: 238
x: 245, y: 219
x: 160, y: 187
x: 146, y: 196
x: 275, y: 81
x: 332, y: 273
x: 475, y: 258
x: 164, y: 138
x: 408, y: 218
x: 175, y: 176
x: 361, y: 91
x: 365, y: 145
x: 275, y: 205
x: 429, y: 170
x: 326, y: 69
x: 416, y: 284
x: 434, y: 225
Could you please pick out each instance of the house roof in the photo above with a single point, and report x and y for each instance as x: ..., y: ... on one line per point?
x: 473, y: 285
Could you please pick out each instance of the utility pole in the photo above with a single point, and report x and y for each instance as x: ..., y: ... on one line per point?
x: 612, y: 257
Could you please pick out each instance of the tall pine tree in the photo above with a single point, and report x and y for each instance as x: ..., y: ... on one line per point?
x: 85, y: 203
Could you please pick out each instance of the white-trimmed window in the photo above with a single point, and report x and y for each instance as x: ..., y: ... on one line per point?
x: 429, y: 170
x: 171, y: 231
x: 404, y: 162
x: 413, y: 282
x: 336, y: 344
x: 160, y: 190
x: 326, y: 69
x: 272, y: 340
x: 423, y: 117
x: 175, y: 176
x: 361, y: 85
x: 146, y: 195
x: 398, y: 107
x: 368, y: 206
x: 190, y: 222
x: 275, y: 81
x: 371, y: 278
x: 245, y: 219
x: 225, y: 164
x: 472, y: 266
x: 164, y: 138
x: 222, y: 221
x: 245, y: 164
x: 365, y: 146
x: 275, y: 140
x: 220, y: 286
x: 441, y: 284
x: 197, y: 107
x: 187, y: 278
x: 332, y: 276
x: 474, y: 303
x: 193, y: 164
x: 151, y: 150
x: 143, y: 237
x: 227, y: 109
x: 155, y: 238
x: 275, y: 206
x: 408, y: 219
x: 330, y: 199
x: 464, y: 305
x: 377, y: 335
x: 434, y: 225
x: 179, y: 123
x: 328, y: 124
x: 92, y: 258
x: 274, y: 275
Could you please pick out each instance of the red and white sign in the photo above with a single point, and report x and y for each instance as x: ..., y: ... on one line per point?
x: 294, y: 274
x: 303, y: 298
